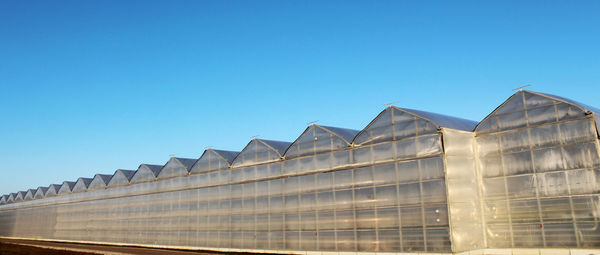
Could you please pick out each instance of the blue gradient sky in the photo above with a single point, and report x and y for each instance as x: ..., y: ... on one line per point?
x: 92, y: 86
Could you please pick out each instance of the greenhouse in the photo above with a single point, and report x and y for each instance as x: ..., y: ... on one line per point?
x: 526, y: 176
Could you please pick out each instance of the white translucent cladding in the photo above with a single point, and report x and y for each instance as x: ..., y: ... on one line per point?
x: 52, y: 190
x: 318, y: 139
x: 11, y: 197
x: 212, y: 160
x: 99, y: 181
x: 527, y: 108
x: 29, y: 195
x: 40, y: 192
x: 121, y: 177
x: 176, y: 167
x: 392, y: 124
x: 260, y: 151
x: 81, y: 184
x: 146, y: 173
x: 66, y: 187
x: 20, y: 196
x: 462, y: 181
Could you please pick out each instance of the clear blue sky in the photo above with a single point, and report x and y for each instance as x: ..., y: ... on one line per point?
x: 91, y: 86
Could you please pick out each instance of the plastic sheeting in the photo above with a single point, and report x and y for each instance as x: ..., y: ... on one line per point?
x: 411, y: 181
x: 540, y: 179
x: 389, y: 196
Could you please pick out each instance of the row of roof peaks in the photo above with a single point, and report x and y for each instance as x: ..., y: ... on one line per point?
x: 380, y: 129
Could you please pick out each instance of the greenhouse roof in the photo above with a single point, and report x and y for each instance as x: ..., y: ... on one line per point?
x: 229, y: 156
x: 531, y: 100
x: 443, y: 120
x: 41, y: 192
x: 154, y: 168
x: 585, y: 107
x: 176, y: 167
x: 66, y: 187
x: 310, y: 141
x: 127, y: 173
x: 255, y: 147
x: 52, y: 189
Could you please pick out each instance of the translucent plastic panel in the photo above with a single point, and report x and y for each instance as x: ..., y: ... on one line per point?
x: 29, y: 195
x: 256, y: 152
x: 173, y: 168
x: 81, y: 185
x: 120, y: 178
x: 210, y: 161
x: 578, y: 131
x: 394, y: 124
x: 315, y: 140
x: 52, y: 190
x: 143, y: 174
x: 99, y: 182
x: 66, y: 187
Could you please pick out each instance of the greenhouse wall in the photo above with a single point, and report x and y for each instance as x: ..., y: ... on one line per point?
x: 410, y: 182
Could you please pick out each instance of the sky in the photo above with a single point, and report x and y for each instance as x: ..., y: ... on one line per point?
x: 93, y: 86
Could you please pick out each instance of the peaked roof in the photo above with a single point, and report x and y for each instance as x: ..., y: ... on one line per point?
x: 187, y: 162
x: 127, y: 173
x: 587, y: 109
x: 41, y: 191
x: 20, y: 195
x: 169, y: 170
x: 3, y: 199
x: 228, y: 156
x: 11, y: 197
x: 391, y: 124
x: 442, y: 120
x: 344, y: 135
x: 154, y: 168
x: 54, y: 188
x: 85, y: 181
x: 279, y: 147
x: 67, y: 185
x: 104, y: 177
x: 29, y: 195
x: 99, y: 181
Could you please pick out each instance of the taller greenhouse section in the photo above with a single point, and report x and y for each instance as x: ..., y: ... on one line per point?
x: 412, y: 181
x: 540, y: 167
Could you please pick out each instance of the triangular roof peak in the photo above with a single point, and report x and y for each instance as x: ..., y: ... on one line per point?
x: 260, y: 151
x: 52, y: 190
x: 394, y: 123
x: 154, y: 168
x: 121, y: 177
x: 99, y: 181
x: 3, y: 199
x: 176, y: 167
x: 29, y: 194
x: 146, y: 173
x: 513, y: 108
x: 213, y: 160
x: 319, y: 139
x: 66, y: 187
x: 441, y: 120
x: 20, y: 195
x: 228, y: 156
x: 82, y: 184
x: 40, y: 192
